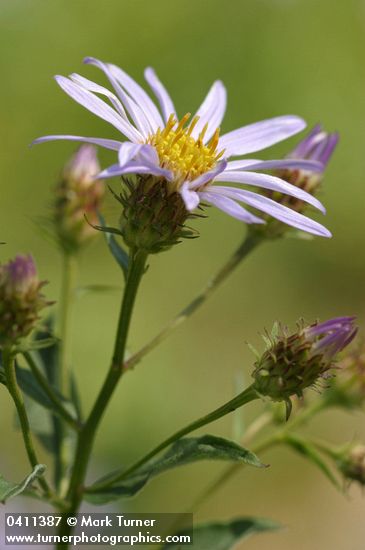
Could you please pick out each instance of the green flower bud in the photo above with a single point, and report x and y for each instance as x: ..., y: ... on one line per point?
x: 348, y: 389
x: 20, y: 299
x: 351, y: 463
x: 153, y: 217
x: 78, y: 198
x: 294, y: 362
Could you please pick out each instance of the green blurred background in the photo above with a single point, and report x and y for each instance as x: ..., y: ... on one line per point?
x: 276, y: 57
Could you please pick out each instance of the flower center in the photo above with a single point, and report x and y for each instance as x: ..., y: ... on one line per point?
x: 184, y: 155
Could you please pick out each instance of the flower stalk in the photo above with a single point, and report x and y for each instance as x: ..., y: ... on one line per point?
x: 88, y: 432
x: 65, y: 320
x: 17, y: 396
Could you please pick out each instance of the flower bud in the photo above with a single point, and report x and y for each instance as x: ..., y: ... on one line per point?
x: 348, y: 389
x: 351, y: 463
x: 317, y: 146
x: 153, y: 217
x: 294, y: 362
x: 20, y: 299
x: 78, y: 199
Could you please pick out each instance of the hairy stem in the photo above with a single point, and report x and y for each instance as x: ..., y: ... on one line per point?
x: 17, y: 396
x: 66, y: 300
x: 62, y: 379
x: 251, y: 241
x: 88, y: 432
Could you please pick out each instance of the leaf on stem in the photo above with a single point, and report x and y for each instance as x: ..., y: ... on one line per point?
x: 183, y: 451
x: 120, y: 255
x: 308, y: 450
x: 224, y: 535
x: 10, y: 490
x: 48, y: 355
x: 37, y: 344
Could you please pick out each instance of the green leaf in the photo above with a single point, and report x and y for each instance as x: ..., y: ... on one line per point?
x: 28, y: 385
x: 308, y: 450
x: 224, y: 535
x: 47, y: 426
x: 10, y: 490
x: 37, y: 344
x: 48, y: 355
x: 120, y: 255
x: 183, y: 451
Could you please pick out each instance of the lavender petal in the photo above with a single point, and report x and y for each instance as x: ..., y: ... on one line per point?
x: 165, y: 101
x: 273, y: 183
x: 275, y: 210
x: 106, y: 143
x: 260, y: 135
x: 211, y: 111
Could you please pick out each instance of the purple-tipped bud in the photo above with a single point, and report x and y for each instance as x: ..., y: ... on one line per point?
x: 316, y: 146
x: 79, y: 196
x: 20, y: 299
x: 294, y: 362
x: 310, y: 158
x: 331, y: 337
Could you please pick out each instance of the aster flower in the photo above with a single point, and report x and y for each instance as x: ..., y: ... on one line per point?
x: 78, y: 194
x: 294, y: 362
x: 20, y: 299
x: 191, y: 157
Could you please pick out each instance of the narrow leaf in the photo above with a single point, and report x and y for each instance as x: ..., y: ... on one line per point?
x: 48, y: 355
x: 29, y: 385
x: 120, y: 255
x: 308, y: 450
x: 37, y: 344
x: 224, y: 535
x: 10, y: 490
x: 183, y: 451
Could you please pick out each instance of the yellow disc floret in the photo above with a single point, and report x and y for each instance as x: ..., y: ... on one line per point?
x: 185, y: 156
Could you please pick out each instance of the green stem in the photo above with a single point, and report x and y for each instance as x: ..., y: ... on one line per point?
x: 62, y: 375
x: 245, y: 397
x: 88, y: 432
x: 66, y: 300
x: 14, y: 390
x: 251, y: 241
x: 49, y: 391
